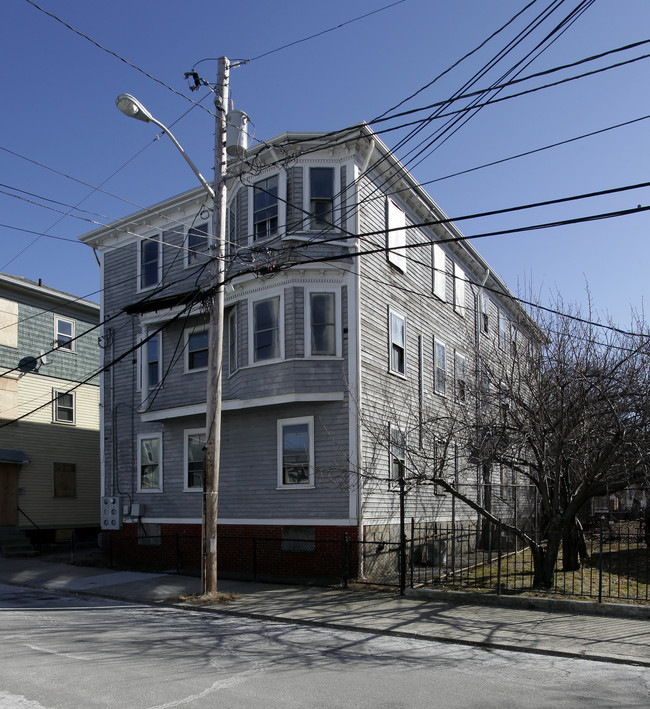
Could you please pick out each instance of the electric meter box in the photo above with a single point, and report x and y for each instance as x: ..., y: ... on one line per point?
x: 111, y: 513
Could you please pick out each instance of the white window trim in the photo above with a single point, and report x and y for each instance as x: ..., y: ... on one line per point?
x: 437, y: 341
x: 485, y: 313
x: 393, y: 482
x: 186, y: 435
x: 398, y: 314
x: 146, y: 436
x: 336, y: 205
x: 144, y: 364
x: 55, y: 407
x: 439, y: 258
x: 196, y: 330
x: 458, y: 354
x: 395, y: 218
x: 459, y: 289
x: 309, y: 420
x: 282, y: 205
x: 338, y: 347
x: 201, y: 258
x: 503, y: 330
x: 72, y: 349
x: 154, y: 237
x: 251, y: 327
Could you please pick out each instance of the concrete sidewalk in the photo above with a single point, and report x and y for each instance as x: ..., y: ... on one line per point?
x: 562, y: 628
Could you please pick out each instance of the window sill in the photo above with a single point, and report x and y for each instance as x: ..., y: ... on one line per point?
x: 296, y: 486
x: 148, y: 491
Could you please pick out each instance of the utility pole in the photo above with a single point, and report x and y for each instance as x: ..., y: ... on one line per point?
x: 215, y: 351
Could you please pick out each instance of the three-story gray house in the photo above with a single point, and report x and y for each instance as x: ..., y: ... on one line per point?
x: 351, y: 309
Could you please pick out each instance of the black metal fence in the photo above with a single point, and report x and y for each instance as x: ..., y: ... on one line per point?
x: 615, y: 564
x: 468, y: 555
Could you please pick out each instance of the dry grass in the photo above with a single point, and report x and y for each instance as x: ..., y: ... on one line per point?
x: 209, y: 599
x: 625, y: 572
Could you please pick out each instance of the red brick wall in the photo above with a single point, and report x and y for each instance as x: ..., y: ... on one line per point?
x: 249, y: 551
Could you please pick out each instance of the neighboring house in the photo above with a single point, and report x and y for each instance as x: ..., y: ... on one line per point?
x: 329, y: 357
x: 49, y: 410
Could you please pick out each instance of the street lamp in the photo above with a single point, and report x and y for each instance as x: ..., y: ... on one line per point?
x: 131, y: 107
x: 134, y: 109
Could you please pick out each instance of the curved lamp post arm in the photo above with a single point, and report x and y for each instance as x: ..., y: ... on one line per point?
x: 131, y: 107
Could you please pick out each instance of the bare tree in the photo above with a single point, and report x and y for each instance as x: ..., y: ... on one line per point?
x: 576, y: 422
x: 568, y: 413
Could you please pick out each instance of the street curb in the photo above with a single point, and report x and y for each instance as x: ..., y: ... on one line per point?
x: 223, y: 610
x: 619, y: 610
x: 484, y: 644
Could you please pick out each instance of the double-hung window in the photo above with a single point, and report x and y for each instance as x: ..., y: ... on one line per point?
x: 321, y: 197
x: 440, y: 366
x: 64, y: 334
x: 196, y: 350
x: 63, y: 407
x: 322, y: 337
x: 485, y: 313
x: 503, y: 330
x: 265, y: 208
x: 195, y: 441
x: 296, y: 452
x: 397, y: 454
x: 152, y: 367
x: 267, y: 330
x: 197, y: 244
x: 150, y: 262
x: 460, y: 377
x: 397, y: 356
x: 395, y: 235
x: 439, y: 272
x: 459, y: 289
x: 150, y: 463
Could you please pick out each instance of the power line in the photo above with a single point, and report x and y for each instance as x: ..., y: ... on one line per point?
x: 331, y: 29
x: 457, y: 62
x: 536, y: 150
x: 117, y: 56
x: 490, y: 102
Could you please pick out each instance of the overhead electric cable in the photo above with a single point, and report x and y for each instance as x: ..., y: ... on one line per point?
x: 331, y: 29
x: 116, y: 55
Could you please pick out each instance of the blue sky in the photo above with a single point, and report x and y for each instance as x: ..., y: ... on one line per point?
x: 58, y: 110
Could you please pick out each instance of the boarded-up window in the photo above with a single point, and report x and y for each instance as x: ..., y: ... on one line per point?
x: 298, y: 539
x: 149, y: 534
x: 64, y: 480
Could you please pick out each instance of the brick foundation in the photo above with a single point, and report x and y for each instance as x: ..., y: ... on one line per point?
x: 243, y: 551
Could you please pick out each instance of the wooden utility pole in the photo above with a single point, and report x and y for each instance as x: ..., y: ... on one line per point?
x: 215, y: 352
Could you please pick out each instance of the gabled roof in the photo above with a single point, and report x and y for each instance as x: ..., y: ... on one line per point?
x: 19, y: 284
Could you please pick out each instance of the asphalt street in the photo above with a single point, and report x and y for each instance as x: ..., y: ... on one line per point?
x: 85, y: 652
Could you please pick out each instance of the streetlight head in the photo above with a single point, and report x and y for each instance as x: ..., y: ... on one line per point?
x: 130, y: 106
